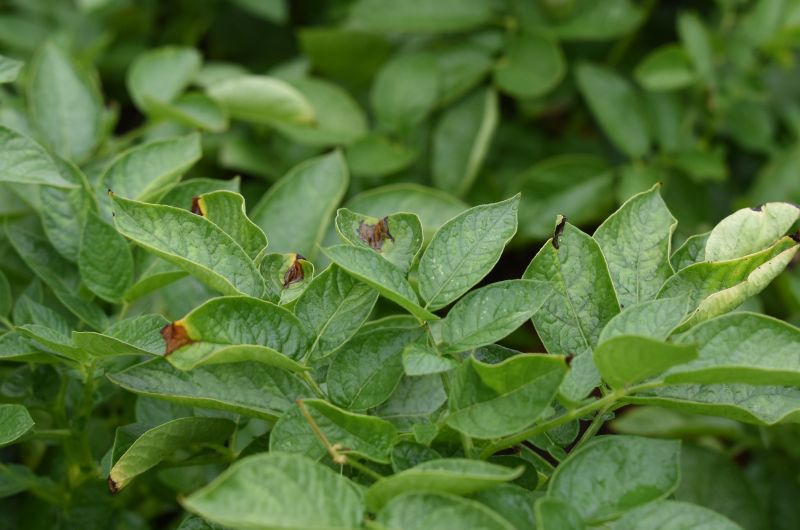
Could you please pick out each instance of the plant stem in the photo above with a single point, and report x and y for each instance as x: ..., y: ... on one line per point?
x: 313, y: 384
x: 597, y: 423
x: 6, y: 322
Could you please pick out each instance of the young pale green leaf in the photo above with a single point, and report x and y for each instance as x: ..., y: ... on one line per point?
x: 617, y: 107
x: 197, y: 354
x: 133, y: 336
x: 333, y: 308
x: 259, y: 390
x: 635, y: 241
x: 488, y: 314
x: 557, y: 514
x: 405, y: 90
x: 64, y: 211
x: 105, y: 260
x: 582, y: 301
x: 295, y: 212
x: 193, y: 110
x: 262, y: 99
x: 461, y: 141
x: 750, y: 230
x: 533, y: 65
x: 427, y: 510
x: 369, y: 267
x: 590, y: 21
x: 464, y: 250
x: 458, y: 476
x: 741, y: 348
x: 419, y: 359
x: 286, y: 276
x: 276, y: 490
x: 613, y: 474
x: 65, y: 104
x: 419, y: 16
x: 365, y: 371
x: 9, y: 69
x: 144, y: 171
x: 15, y: 421
x: 628, y: 359
x: 675, y: 515
x: 493, y: 400
x: 692, y: 251
x: 191, y: 242
x: 158, y: 443
x: 24, y: 161
x: 665, y: 68
x: 654, y: 319
x: 396, y: 237
x: 357, y: 435
x: 226, y: 210
x: 162, y: 74
x: 714, y: 288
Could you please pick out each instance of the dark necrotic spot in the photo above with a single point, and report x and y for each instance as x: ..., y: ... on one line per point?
x: 375, y: 234
x: 294, y: 273
x: 559, y: 230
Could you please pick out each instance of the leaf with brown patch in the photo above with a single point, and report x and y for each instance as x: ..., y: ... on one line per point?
x: 175, y: 336
x: 375, y: 234
x: 295, y: 272
x: 197, y: 209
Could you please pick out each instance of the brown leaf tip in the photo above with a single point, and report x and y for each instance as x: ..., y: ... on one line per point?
x: 295, y: 272
x: 175, y: 336
x: 374, y: 235
x: 197, y: 206
x: 112, y: 486
x: 562, y: 222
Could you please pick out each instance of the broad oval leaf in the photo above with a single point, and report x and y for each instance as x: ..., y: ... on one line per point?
x: 654, y: 319
x: 405, y: 90
x: 750, y: 230
x: 396, y: 237
x: 262, y: 99
x: 557, y: 514
x: 665, y: 68
x: 533, y: 65
x: 15, y: 421
x: 226, y: 210
x: 24, y: 161
x: 426, y: 510
x: 628, y: 359
x: 675, y: 515
x: 590, y: 21
x: 464, y: 250
x: 162, y: 74
x: 419, y: 359
x: 386, y: 16
x: 64, y: 211
x: 278, y: 490
x: 613, y: 474
x: 105, y: 260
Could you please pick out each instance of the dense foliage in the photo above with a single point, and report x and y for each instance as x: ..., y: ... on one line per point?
x: 306, y: 265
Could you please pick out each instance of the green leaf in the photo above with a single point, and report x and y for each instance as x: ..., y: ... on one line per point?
x: 458, y: 476
x: 331, y: 50
x: 675, y: 515
x: 144, y: 171
x: 590, y: 21
x: 262, y: 99
x: 461, y: 141
x: 296, y: 210
x: 464, y: 250
x: 358, y: 435
x: 741, y: 348
x: 714, y: 288
x: 276, y: 490
x: 557, y: 515
x: 396, y: 237
x: 162, y: 74
x: 493, y: 400
x: 375, y: 156
x: 462, y: 66
x: 654, y: 319
x: 486, y: 315
x: 15, y: 347
x: 226, y: 210
x: 367, y: 266
x: 9, y: 69
x: 65, y: 104
x: 105, y: 261
x: 286, y: 276
x: 193, y: 110
x: 665, y: 68
x: 750, y: 230
x: 628, y: 359
x: 191, y: 242
x: 260, y: 390
x: 415, y: 405
x: 515, y: 503
x: 15, y: 421
x: 158, y: 443
x: 616, y: 106
x: 64, y: 211
x: 405, y: 90
x: 43, y: 260
x: 692, y: 251
x: 582, y: 301
x: 424, y: 510
x: 366, y: 370
x: 613, y: 474
x: 635, y: 241
x: 24, y: 161
x: 697, y: 42
x: 419, y: 359
x: 6, y: 301
x: 533, y: 65
x: 419, y: 16
x: 133, y: 336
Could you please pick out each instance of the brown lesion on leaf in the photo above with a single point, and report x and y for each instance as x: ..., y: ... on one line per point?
x: 561, y: 223
x: 112, y: 485
x: 295, y: 272
x: 175, y: 336
x: 374, y: 235
x: 198, y: 206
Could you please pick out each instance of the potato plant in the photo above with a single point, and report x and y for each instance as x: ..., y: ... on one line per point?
x: 399, y: 265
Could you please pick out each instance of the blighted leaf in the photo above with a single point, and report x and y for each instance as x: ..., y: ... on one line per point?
x: 191, y: 242
x: 226, y: 210
x: 105, y: 261
x: 635, y: 242
x: 24, y: 161
x: 675, y: 515
x: 750, y: 230
x: 155, y: 444
x: 464, y: 250
x: 352, y: 435
x: 458, y: 476
x: 260, y: 390
x: 278, y: 490
x: 420, y: 16
x: 262, y: 99
x: 286, y: 276
x: 162, y: 74
x: 65, y: 104
x: 425, y: 510
x: 133, y: 336
x: 665, y: 68
x: 613, y: 474
x: 419, y: 359
x: 493, y: 400
x: 461, y: 141
x: 405, y: 90
x: 295, y: 212
x: 628, y: 359
x: 15, y: 421
x: 396, y: 237
x: 533, y: 65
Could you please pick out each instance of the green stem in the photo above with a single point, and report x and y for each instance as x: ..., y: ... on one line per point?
x: 313, y: 384
x: 6, y: 322
x: 597, y: 423
x: 355, y: 464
